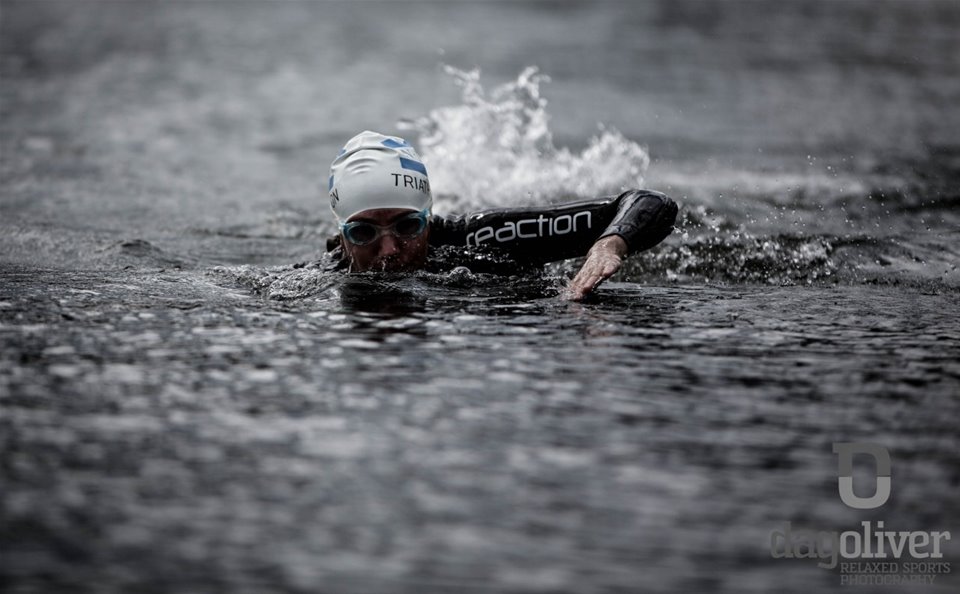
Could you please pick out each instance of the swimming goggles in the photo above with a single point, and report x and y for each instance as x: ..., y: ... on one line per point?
x: 406, y: 227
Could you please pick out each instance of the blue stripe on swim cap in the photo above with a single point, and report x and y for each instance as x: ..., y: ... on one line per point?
x: 343, y: 150
x: 391, y: 143
x: 413, y: 165
x: 330, y: 184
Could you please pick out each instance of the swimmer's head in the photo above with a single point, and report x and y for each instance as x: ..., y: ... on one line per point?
x: 380, y: 195
x: 375, y: 171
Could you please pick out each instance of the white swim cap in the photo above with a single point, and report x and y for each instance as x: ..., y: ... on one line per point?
x: 377, y: 171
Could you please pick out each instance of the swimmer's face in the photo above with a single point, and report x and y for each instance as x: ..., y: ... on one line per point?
x: 389, y: 252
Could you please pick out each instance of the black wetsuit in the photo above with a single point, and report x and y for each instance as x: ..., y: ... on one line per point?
x: 540, y: 234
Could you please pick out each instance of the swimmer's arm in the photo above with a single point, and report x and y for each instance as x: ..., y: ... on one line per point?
x: 642, y: 218
x: 535, y: 234
x: 603, y: 260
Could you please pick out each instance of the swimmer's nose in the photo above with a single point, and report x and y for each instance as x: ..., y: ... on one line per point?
x: 389, y: 246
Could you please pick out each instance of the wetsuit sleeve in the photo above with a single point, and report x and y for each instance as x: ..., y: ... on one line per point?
x: 643, y: 218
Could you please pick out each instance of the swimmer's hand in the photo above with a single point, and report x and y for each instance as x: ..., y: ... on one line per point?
x: 603, y: 260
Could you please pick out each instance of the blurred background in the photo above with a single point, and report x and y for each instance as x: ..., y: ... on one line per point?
x: 176, y: 123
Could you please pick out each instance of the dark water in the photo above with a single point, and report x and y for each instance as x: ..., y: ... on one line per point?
x: 188, y: 403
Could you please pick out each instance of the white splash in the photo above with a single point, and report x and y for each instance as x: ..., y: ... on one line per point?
x: 496, y: 150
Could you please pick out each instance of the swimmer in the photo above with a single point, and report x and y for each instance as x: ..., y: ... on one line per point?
x: 380, y: 196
